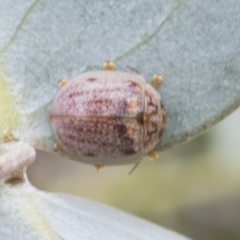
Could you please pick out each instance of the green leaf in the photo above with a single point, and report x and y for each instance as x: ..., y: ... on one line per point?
x: 26, y: 213
x: 194, y: 45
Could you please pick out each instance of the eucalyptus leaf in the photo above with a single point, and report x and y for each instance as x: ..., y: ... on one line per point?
x: 194, y: 45
x: 26, y: 213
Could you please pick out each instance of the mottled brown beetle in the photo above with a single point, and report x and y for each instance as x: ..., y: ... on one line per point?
x: 108, y: 117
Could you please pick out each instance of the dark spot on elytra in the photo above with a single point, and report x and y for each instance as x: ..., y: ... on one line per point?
x: 129, y: 151
x: 75, y: 94
x: 121, y: 129
x: 134, y: 85
x: 91, y: 79
x: 93, y: 104
x: 89, y: 154
x: 139, y: 118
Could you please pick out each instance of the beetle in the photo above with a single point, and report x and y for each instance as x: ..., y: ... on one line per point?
x: 108, y: 117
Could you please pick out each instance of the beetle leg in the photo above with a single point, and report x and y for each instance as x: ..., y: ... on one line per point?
x: 57, y: 147
x: 153, y: 155
x: 61, y: 83
x: 134, y: 167
x: 99, y: 167
x: 156, y: 80
x: 108, y: 65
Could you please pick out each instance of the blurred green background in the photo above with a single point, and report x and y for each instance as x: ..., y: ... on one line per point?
x: 192, y: 189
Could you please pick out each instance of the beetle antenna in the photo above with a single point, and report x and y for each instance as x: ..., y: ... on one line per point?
x: 134, y: 167
x: 133, y: 69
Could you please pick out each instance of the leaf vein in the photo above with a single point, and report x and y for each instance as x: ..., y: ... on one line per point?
x: 18, y: 28
x: 151, y: 36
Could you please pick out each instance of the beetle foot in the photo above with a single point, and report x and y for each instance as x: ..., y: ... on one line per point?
x: 108, y: 65
x: 61, y: 83
x: 57, y: 147
x: 99, y: 167
x: 156, y: 80
x: 153, y: 155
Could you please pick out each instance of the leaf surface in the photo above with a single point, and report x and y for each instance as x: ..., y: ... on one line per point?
x: 26, y: 213
x: 194, y: 45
